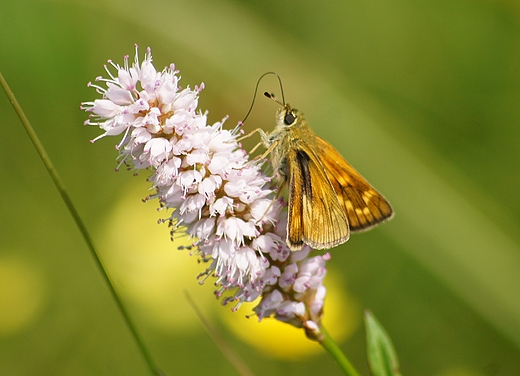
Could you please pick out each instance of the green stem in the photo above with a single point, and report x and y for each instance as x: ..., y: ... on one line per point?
x: 79, y: 223
x: 333, y: 349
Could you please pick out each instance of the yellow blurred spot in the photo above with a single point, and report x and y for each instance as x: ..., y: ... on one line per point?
x: 148, y: 267
x: 21, y: 295
x: 280, y: 340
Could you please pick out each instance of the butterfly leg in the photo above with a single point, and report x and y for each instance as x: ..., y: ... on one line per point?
x: 269, y: 150
x: 257, y: 130
x: 265, y: 141
x: 256, y: 147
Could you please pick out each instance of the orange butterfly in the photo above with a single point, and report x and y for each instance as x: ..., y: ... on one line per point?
x: 328, y: 199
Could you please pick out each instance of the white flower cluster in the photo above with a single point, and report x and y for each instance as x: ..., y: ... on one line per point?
x: 217, y: 196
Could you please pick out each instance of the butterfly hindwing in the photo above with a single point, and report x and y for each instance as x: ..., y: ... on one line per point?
x: 365, y: 207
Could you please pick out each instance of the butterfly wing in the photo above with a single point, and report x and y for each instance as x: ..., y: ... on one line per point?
x: 315, y: 216
x: 365, y: 207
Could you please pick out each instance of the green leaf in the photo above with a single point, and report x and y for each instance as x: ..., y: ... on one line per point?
x: 382, y: 358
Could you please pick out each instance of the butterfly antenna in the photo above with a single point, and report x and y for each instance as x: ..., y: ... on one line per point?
x: 266, y: 94
x: 272, y: 96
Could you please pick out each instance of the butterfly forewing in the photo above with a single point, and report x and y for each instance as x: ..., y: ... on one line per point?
x: 316, y: 216
x: 365, y: 207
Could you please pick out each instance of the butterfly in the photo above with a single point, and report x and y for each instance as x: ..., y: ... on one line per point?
x: 328, y: 199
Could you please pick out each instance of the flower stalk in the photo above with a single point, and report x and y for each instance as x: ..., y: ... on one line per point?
x: 213, y: 193
x: 333, y: 349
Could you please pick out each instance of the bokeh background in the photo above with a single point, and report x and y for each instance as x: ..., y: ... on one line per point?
x: 423, y: 98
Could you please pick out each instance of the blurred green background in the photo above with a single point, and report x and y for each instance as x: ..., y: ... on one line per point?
x: 423, y: 98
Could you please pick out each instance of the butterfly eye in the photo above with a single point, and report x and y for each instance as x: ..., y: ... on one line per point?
x: 289, y: 118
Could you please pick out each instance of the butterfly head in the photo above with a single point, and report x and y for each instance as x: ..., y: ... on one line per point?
x: 286, y: 116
